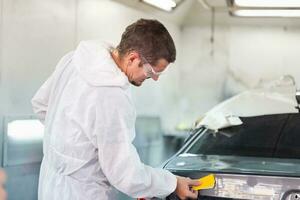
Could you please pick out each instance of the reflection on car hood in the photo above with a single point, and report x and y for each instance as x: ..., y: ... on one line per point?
x: 275, y: 98
x: 235, y: 164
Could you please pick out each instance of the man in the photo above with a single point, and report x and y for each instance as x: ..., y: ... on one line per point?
x: 89, y: 119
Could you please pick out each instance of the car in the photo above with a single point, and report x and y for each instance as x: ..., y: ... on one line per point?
x: 250, y: 142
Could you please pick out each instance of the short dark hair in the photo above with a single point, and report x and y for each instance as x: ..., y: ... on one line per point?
x: 149, y: 38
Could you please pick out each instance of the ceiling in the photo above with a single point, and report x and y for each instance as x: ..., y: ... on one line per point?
x: 179, y: 14
x: 198, y: 12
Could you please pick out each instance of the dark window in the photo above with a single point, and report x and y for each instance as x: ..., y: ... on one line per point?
x: 289, y: 142
x: 260, y: 136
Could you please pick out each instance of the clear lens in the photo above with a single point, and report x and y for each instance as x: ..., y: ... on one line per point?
x: 148, y: 69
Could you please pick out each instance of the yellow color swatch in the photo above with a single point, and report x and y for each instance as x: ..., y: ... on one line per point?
x: 207, y: 182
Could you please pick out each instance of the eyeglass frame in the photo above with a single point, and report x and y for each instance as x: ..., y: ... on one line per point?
x: 148, y: 69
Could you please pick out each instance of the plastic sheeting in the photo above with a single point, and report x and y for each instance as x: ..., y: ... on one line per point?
x: 276, y: 97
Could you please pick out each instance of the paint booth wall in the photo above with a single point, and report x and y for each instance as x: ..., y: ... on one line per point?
x: 245, y: 52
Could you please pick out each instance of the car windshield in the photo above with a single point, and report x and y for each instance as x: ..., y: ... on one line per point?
x: 270, y: 136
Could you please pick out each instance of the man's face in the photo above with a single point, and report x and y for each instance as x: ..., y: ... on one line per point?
x: 137, y: 74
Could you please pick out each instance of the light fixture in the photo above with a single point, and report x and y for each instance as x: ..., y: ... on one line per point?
x: 166, y: 5
x: 268, y: 3
x: 264, y: 8
x: 266, y: 13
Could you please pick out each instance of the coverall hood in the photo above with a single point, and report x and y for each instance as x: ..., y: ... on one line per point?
x: 96, y: 66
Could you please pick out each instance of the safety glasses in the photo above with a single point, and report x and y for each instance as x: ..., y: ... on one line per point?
x: 148, y: 69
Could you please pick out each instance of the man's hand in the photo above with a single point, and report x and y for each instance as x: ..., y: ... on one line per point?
x: 184, y: 188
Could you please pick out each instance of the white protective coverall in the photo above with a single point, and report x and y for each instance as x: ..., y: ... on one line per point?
x: 89, y: 119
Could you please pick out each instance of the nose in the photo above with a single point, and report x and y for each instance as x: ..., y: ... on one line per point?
x: 155, y: 78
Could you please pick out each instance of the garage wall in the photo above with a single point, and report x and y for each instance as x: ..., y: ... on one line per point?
x: 246, y: 51
x: 34, y: 35
x: 202, y: 70
x: 264, y: 52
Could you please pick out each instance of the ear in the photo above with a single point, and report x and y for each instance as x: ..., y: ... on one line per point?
x: 133, y: 57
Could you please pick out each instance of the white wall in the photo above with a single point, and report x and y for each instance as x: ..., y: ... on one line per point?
x: 264, y: 52
x: 36, y: 34
x: 202, y: 70
x: 246, y: 51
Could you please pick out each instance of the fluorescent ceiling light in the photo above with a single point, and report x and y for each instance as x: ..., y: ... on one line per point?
x: 266, y: 13
x: 265, y: 8
x: 166, y: 5
x: 268, y: 3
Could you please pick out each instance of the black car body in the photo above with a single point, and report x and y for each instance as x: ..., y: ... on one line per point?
x: 256, y: 159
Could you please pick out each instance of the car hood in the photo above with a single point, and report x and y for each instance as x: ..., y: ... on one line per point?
x: 234, y: 164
